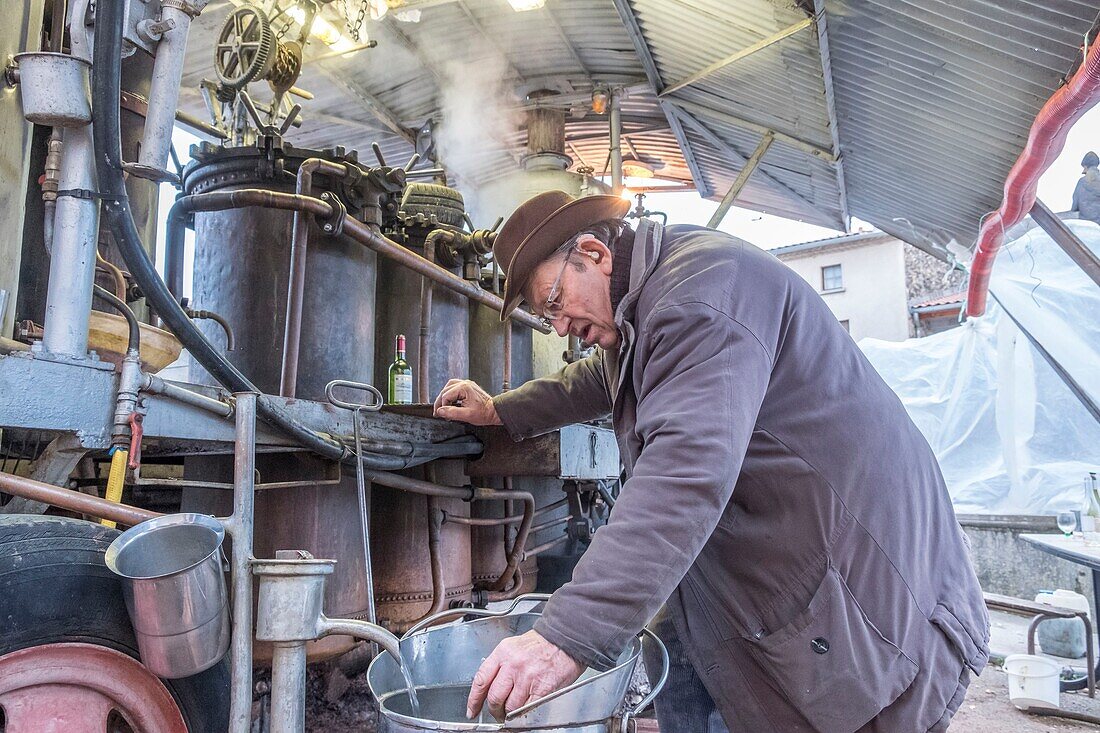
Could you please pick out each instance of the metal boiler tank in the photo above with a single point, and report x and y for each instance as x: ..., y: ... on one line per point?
x: 488, y: 559
x: 400, y: 521
x: 241, y: 272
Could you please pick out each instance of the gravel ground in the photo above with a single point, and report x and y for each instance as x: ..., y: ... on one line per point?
x: 987, y: 710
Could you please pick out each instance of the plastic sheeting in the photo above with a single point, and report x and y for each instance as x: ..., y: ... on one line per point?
x: 1010, y: 435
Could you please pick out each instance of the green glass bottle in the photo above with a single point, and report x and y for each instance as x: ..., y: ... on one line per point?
x: 401, y: 377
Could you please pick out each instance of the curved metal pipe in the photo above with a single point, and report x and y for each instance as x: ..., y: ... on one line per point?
x: 435, y: 556
x: 423, y: 382
x: 296, y: 288
x: 230, y: 340
x: 133, y: 340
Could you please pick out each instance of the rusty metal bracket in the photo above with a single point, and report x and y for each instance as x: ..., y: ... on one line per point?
x: 333, y: 224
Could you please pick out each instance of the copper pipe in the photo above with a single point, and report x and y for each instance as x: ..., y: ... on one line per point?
x: 358, y: 231
x: 73, y: 501
x: 435, y: 556
x: 535, y: 551
x: 506, y: 382
x: 299, y: 246
x: 552, y: 523
x: 416, y: 486
x: 497, y: 521
x: 516, y: 555
x: 115, y: 273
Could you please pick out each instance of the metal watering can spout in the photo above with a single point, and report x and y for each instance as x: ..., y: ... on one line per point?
x: 289, y: 613
x: 362, y: 630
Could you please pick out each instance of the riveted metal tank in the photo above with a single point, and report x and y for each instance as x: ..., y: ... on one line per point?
x: 399, y: 521
x: 242, y: 260
x: 487, y: 548
x: 399, y: 546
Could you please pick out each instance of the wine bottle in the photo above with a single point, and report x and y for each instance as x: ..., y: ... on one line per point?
x: 401, y: 377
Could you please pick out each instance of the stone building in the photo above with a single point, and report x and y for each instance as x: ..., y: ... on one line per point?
x: 877, y: 285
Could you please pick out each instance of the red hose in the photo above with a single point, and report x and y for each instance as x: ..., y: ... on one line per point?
x: 1044, y: 143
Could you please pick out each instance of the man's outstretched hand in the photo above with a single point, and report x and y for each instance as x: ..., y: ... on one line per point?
x: 464, y: 401
x: 520, y: 670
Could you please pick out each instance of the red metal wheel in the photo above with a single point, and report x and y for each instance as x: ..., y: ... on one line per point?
x: 75, y: 688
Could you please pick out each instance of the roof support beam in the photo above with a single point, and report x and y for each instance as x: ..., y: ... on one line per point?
x: 723, y: 147
x: 732, y: 58
x: 630, y: 22
x: 721, y: 116
x: 830, y: 107
x: 742, y: 178
x: 384, y: 114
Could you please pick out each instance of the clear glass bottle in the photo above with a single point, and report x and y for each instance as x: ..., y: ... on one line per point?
x: 401, y: 377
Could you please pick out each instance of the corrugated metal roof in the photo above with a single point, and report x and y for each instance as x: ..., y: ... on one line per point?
x: 932, y: 99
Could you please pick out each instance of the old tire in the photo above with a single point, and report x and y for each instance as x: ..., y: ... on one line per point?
x: 54, y: 587
x: 430, y: 200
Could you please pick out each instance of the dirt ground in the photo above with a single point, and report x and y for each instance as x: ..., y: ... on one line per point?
x: 985, y: 710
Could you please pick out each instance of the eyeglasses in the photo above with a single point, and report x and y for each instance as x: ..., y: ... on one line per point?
x: 551, y: 309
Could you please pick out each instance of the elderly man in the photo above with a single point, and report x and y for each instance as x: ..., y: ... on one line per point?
x: 783, y: 525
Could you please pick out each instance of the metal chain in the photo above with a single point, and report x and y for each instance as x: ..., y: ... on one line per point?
x: 355, y: 28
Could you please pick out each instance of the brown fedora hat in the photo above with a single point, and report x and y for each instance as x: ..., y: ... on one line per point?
x: 539, y: 226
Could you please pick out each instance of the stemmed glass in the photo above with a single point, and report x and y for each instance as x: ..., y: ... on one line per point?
x: 1067, y: 523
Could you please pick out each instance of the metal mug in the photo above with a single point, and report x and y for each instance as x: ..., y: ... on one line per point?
x: 174, y: 587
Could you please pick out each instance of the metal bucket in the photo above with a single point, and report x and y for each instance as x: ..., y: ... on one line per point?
x: 443, y: 660
x: 175, y: 592
x: 55, y: 88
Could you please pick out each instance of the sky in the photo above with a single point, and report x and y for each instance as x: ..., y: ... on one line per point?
x: 764, y: 230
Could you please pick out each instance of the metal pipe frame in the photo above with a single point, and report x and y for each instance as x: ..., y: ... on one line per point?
x: 164, y: 89
x: 155, y: 385
x: 616, y: 143
x: 299, y: 247
x: 497, y: 521
x: 734, y: 57
x: 75, y: 226
x: 423, y: 381
x: 358, y: 232
x: 230, y: 339
x: 240, y: 527
x: 536, y: 551
x: 742, y: 178
x: 74, y: 501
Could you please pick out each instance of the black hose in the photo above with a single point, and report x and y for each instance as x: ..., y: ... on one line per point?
x: 133, y: 341
x: 106, y: 69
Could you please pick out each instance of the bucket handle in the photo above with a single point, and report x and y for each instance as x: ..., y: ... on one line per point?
x: 628, y: 715
x: 480, y: 612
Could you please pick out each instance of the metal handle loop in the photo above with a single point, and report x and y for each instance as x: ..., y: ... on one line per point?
x: 373, y: 406
x: 479, y: 612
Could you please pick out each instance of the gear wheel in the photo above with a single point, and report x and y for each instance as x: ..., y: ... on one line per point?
x: 245, y: 49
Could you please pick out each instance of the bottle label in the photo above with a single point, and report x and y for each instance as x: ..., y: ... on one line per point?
x: 402, y: 389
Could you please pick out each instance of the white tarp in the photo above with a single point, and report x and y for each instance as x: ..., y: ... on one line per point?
x: 1010, y: 435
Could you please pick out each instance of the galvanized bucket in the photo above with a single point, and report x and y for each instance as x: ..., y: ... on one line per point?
x: 444, y: 659
x: 55, y: 88
x: 174, y: 588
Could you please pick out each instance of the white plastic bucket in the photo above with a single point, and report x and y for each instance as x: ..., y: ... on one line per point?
x: 1033, y: 681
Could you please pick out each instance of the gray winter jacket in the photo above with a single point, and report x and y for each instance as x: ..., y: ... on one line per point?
x: 1086, y: 196
x: 779, y: 500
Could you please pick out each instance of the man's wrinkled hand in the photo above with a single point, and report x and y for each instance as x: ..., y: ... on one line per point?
x: 464, y: 401
x: 520, y: 670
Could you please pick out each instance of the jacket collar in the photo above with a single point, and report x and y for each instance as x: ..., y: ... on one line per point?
x: 643, y: 261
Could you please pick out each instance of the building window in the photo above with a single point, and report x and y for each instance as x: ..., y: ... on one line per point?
x: 844, y: 324
x: 831, y: 278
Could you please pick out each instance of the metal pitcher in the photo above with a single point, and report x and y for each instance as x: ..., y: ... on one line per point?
x: 444, y: 659
x: 174, y: 587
